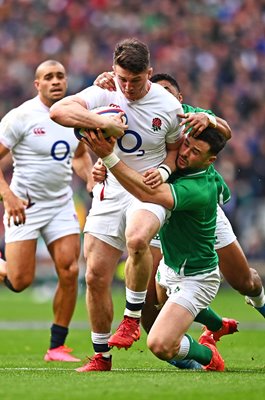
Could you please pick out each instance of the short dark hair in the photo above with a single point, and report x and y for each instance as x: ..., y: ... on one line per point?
x: 132, y: 54
x: 165, y: 77
x: 214, y: 138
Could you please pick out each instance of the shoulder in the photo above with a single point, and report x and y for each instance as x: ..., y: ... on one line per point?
x: 27, y: 105
x: 94, y: 96
x: 166, y: 99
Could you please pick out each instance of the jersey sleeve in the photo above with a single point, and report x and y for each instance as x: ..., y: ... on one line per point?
x: 94, y: 97
x: 223, y: 191
x: 175, y: 133
x: 10, y: 129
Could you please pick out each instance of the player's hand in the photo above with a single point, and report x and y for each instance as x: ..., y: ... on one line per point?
x: 194, y: 123
x: 114, y: 125
x: 106, y: 81
x: 152, y: 178
x: 15, y: 208
x: 95, y: 140
x: 99, y: 171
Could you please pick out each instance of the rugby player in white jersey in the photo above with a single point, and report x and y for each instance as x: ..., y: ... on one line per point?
x: 39, y: 200
x: 117, y: 220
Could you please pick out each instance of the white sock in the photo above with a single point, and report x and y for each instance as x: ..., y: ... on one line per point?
x: 101, y: 338
x: 184, y: 349
x: 258, y: 301
x: 134, y: 298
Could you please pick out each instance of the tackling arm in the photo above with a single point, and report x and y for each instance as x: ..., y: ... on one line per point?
x: 131, y: 180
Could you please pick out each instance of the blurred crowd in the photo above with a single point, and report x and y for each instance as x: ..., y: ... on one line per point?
x: 215, y: 49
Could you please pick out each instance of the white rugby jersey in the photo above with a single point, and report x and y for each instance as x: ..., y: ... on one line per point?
x: 152, y: 121
x: 42, y: 151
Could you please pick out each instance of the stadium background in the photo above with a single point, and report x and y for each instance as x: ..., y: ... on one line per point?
x: 215, y: 49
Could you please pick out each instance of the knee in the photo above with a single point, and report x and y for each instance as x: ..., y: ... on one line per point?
x: 95, y: 279
x: 162, y: 349
x: 17, y: 284
x: 251, y: 286
x: 68, y: 274
x: 136, y: 243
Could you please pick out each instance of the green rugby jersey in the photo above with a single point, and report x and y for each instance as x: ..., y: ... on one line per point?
x: 188, y: 236
x: 187, y: 108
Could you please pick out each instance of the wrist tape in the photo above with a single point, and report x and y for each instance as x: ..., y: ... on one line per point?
x: 212, y: 120
x: 110, y: 160
x: 164, y: 171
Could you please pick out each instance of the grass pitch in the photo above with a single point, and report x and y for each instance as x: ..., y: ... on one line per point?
x: 137, y: 374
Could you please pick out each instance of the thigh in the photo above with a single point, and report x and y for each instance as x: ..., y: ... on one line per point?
x: 171, y: 324
x: 146, y: 217
x: 143, y: 224
x: 21, y: 259
x: 233, y: 264
x: 65, y: 251
x: 101, y: 257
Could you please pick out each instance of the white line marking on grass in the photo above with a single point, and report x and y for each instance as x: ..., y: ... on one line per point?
x: 170, y: 371
x: 69, y: 369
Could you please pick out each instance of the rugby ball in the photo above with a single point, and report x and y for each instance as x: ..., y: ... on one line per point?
x: 105, y: 110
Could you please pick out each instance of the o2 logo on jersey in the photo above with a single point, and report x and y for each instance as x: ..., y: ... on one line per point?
x: 60, y: 150
x: 131, y: 142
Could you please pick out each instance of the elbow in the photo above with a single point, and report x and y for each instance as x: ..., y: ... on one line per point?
x: 229, y: 133
x: 146, y: 195
x: 54, y: 114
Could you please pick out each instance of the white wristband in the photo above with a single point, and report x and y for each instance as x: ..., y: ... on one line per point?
x: 110, y: 160
x: 164, y: 171
x: 212, y: 120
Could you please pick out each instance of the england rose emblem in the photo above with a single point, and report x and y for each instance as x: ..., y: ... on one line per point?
x: 156, y: 124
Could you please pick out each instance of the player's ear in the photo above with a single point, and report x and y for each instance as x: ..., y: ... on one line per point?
x: 180, y: 97
x: 150, y: 72
x: 36, y: 84
x: 211, y: 160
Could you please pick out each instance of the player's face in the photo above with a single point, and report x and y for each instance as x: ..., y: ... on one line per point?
x: 171, y: 89
x: 133, y: 86
x: 194, y: 154
x: 51, y: 84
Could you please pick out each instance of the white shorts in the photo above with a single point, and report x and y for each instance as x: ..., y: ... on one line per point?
x: 194, y: 293
x: 224, y: 232
x: 107, y: 218
x: 49, y: 222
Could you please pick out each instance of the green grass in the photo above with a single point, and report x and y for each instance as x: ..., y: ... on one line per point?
x: 136, y: 373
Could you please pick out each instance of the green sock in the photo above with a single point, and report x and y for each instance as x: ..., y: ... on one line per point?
x: 199, y: 352
x: 209, y: 318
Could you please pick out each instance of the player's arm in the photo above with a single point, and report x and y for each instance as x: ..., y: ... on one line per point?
x: 129, y: 178
x: 72, y: 111
x: 197, y: 119
x: 155, y: 176
x: 14, y: 206
x: 82, y: 165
